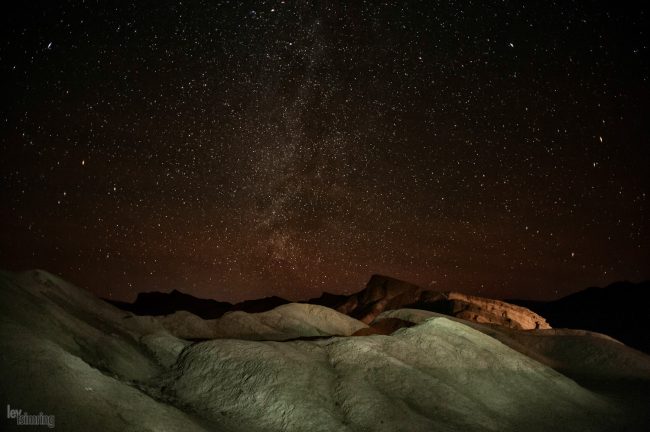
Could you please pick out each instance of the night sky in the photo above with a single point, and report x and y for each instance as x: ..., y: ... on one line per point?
x: 240, y: 149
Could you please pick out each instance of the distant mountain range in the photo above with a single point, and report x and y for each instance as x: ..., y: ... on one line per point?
x: 158, y: 303
x: 619, y: 310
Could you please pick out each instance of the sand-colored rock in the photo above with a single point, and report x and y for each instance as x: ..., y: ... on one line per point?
x: 488, y: 311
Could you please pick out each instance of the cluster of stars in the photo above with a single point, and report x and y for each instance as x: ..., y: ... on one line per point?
x: 235, y: 150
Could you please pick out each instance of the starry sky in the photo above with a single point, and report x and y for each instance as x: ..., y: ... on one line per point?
x: 240, y: 149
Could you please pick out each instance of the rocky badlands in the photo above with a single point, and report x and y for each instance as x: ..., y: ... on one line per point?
x: 392, y: 357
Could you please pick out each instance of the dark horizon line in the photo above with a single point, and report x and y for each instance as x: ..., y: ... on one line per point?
x: 505, y: 299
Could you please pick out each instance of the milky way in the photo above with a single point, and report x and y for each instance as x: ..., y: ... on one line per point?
x: 242, y: 149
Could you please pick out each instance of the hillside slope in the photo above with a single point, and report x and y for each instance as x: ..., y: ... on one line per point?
x: 289, y: 321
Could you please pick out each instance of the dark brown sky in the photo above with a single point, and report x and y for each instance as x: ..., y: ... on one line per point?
x: 243, y: 149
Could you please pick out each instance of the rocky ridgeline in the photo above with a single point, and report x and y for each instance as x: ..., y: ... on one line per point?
x: 385, y: 293
x: 382, y: 293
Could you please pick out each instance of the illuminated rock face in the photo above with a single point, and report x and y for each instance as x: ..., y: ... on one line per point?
x: 384, y: 293
x: 439, y: 375
x: 488, y: 311
x: 582, y: 355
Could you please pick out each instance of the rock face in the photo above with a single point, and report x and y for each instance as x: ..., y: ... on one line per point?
x: 385, y: 293
x: 65, y: 353
x: 440, y: 375
x: 588, y: 357
x: 488, y: 311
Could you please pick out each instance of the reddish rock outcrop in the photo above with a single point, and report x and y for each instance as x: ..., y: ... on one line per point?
x: 488, y: 311
x: 386, y: 293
